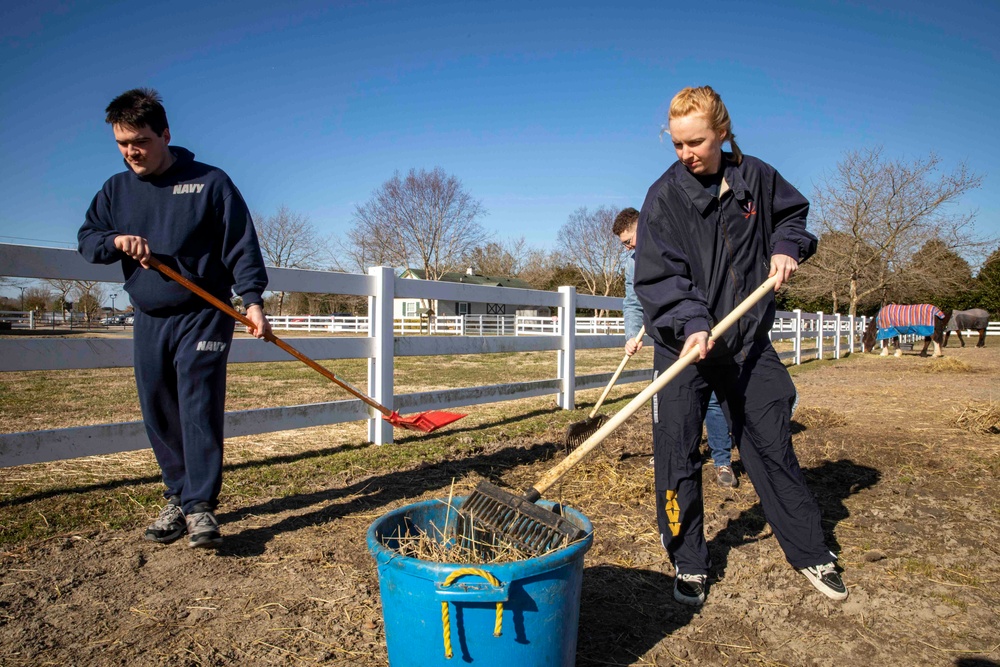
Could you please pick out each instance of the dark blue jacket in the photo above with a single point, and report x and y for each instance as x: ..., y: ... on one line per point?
x: 194, y: 219
x: 698, y: 257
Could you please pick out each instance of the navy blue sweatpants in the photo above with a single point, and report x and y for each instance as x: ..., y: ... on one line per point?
x: 757, y: 397
x: 180, y: 371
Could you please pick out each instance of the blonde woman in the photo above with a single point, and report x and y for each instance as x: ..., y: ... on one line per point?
x: 714, y: 227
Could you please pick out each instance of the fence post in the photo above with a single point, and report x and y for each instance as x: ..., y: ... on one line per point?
x: 850, y: 319
x: 380, y: 367
x: 567, y: 350
x: 798, y: 336
x: 836, y: 344
x: 819, y: 335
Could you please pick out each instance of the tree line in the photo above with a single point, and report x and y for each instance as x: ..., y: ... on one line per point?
x: 889, y: 230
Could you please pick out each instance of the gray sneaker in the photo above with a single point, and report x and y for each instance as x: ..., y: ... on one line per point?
x: 725, y: 477
x: 202, y: 527
x: 169, y: 525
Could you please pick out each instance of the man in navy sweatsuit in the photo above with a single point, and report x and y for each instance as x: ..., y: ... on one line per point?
x: 712, y: 229
x: 193, y: 219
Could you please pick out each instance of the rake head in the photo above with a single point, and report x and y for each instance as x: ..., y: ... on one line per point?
x: 578, y: 432
x: 516, y: 519
x: 424, y: 421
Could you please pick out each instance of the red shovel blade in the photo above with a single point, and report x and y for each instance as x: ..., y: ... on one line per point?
x: 425, y: 421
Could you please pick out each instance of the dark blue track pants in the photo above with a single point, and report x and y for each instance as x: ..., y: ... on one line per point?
x: 757, y: 397
x: 180, y: 371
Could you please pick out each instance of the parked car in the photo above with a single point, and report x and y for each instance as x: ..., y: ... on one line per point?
x: 129, y: 319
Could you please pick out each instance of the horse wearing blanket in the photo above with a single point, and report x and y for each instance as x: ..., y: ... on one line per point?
x: 976, y: 319
x: 894, y: 320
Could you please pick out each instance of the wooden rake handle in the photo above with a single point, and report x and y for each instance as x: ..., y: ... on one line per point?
x: 553, y: 475
x: 614, y: 378
x: 232, y: 312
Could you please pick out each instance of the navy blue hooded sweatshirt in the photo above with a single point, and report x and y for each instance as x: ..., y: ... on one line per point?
x: 194, y: 219
x: 698, y: 256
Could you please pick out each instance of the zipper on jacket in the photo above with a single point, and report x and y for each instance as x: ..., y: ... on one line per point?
x: 732, y: 274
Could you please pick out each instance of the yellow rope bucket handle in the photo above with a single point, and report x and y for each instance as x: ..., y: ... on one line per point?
x: 446, y: 621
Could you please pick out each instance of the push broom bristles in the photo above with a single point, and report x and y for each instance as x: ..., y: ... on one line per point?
x: 534, y: 529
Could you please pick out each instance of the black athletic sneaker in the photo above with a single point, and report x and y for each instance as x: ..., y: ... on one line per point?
x: 202, y: 528
x: 690, y: 589
x: 826, y: 580
x: 169, y: 525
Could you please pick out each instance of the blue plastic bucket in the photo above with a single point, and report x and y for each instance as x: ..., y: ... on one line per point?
x: 539, y: 598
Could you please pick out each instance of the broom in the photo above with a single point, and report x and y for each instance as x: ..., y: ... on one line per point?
x: 577, y: 432
x: 517, y: 519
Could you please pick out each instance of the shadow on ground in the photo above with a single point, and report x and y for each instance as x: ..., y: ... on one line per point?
x: 625, y: 612
x: 832, y: 483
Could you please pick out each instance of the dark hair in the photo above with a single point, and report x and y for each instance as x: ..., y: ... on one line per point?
x: 628, y: 217
x: 139, y: 107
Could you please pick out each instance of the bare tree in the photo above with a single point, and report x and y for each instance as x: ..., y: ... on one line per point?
x: 90, y: 296
x: 882, y: 213
x: 62, y: 288
x: 587, y: 243
x: 827, y: 275
x: 289, y: 240
x: 425, y: 221
x: 503, y: 259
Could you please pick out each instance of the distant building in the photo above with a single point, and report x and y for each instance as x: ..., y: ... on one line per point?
x: 419, y: 308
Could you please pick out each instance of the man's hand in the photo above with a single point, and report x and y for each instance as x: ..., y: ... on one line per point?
x: 261, y: 327
x: 632, y: 346
x: 135, y: 247
x: 784, y: 266
x: 699, y: 340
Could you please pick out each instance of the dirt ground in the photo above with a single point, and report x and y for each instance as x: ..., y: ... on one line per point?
x: 906, y: 483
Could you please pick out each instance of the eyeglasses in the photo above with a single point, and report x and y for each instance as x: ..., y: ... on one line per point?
x: 629, y: 243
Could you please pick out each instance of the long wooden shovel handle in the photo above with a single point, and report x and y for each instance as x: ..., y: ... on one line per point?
x: 553, y: 475
x: 232, y: 312
x: 614, y: 378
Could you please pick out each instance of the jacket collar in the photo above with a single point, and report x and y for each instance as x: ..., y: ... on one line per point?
x: 695, y: 191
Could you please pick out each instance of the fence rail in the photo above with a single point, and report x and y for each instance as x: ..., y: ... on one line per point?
x: 379, y: 338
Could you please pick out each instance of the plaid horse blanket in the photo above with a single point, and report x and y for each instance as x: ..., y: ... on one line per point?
x: 896, y: 320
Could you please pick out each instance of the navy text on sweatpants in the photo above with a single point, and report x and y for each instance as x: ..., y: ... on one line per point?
x: 180, y: 371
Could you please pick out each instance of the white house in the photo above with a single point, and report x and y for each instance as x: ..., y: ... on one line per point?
x: 418, y: 307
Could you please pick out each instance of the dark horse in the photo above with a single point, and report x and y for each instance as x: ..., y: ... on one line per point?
x: 894, y: 320
x: 976, y: 319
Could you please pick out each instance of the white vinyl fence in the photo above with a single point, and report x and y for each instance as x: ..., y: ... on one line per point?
x: 378, y: 338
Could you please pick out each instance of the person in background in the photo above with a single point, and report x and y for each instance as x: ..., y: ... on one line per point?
x: 717, y: 428
x: 191, y: 217
x: 712, y: 229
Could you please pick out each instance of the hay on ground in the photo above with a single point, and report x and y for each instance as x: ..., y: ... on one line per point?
x: 980, y: 417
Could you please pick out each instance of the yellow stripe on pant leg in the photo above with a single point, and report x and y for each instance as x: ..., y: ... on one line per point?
x: 673, y: 513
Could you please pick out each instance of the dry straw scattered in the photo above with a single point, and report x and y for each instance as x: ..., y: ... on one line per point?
x: 981, y: 418
x: 945, y: 365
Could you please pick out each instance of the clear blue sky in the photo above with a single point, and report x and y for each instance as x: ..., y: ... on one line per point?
x: 538, y: 108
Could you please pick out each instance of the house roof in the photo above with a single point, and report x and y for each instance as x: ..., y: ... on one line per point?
x: 459, y: 277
